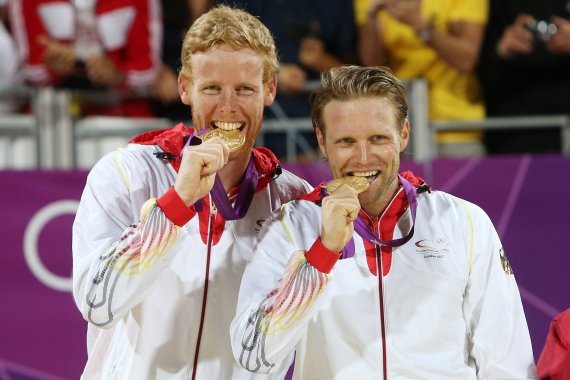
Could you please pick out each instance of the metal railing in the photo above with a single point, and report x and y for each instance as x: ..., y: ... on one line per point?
x: 51, y: 138
x: 95, y: 136
x: 504, y: 122
x: 18, y: 142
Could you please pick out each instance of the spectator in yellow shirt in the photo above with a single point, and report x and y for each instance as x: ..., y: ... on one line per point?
x: 439, y: 40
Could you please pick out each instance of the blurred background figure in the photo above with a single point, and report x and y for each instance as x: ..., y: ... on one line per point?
x: 177, y: 16
x: 8, y: 62
x: 439, y: 40
x: 90, y: 44
x: 311, y: 36
x: 525, y: 70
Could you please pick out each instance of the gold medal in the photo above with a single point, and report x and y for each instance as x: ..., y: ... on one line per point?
x: 234, y: 138
x: 357, y: 183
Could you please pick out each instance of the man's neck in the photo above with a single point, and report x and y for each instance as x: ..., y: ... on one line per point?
x: 378, y: 207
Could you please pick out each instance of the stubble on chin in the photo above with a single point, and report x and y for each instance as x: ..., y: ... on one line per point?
x: 376, y: 202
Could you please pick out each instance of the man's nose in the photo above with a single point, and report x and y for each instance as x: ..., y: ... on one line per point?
x: 363, y: 151
x: 228, y: 101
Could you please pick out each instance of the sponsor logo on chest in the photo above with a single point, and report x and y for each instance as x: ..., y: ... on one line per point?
x: 432, y: 248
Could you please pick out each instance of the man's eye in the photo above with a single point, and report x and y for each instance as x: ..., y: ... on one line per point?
x: 345, y: 140
x: 246, y: 90
x: 378, y: 138
x: 210, y: 90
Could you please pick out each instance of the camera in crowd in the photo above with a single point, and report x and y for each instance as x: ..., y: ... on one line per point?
x: 542, y: 30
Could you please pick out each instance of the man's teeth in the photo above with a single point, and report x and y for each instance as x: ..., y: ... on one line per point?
x: 365, y: 174
x: 227, y: 126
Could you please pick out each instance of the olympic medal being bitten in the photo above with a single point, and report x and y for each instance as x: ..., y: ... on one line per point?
x: 234, y: 138
x: 357, y: 183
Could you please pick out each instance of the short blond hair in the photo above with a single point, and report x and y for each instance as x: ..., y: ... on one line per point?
x: 235, y: 28
x: 351, y: 82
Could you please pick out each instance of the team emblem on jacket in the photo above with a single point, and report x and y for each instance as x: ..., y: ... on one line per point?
x: 432, y: 247
x: 505, y: 262
x: 259, y: 224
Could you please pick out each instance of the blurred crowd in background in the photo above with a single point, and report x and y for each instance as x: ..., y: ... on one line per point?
x: 480, y: 58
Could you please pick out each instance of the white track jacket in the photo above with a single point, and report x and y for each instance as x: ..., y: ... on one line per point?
x: 446, y: 307
x: 159, y: 295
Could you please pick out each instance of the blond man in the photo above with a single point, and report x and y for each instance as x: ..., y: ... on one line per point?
x: 166, y: 225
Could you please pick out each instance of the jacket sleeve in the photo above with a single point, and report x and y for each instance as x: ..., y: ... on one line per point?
x: 280, y: 292
x: 119, y: 247
x: 497, y: 330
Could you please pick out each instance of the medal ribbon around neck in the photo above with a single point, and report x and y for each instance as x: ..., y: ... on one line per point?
x: 363, y: 230
x: 218, y: 193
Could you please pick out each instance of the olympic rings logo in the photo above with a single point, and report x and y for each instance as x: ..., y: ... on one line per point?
x: 31, y: 237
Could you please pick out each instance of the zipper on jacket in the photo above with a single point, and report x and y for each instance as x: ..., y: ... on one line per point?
x: 380, y: 272
x: 213, y: 212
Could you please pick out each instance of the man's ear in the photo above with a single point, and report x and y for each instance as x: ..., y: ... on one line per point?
x: 184, y: 85
x: 270, y: 91
x: 321, y: 141
x: 405, y: 135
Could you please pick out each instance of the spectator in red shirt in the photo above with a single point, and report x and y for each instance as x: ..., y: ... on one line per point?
x: 90, y: 44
